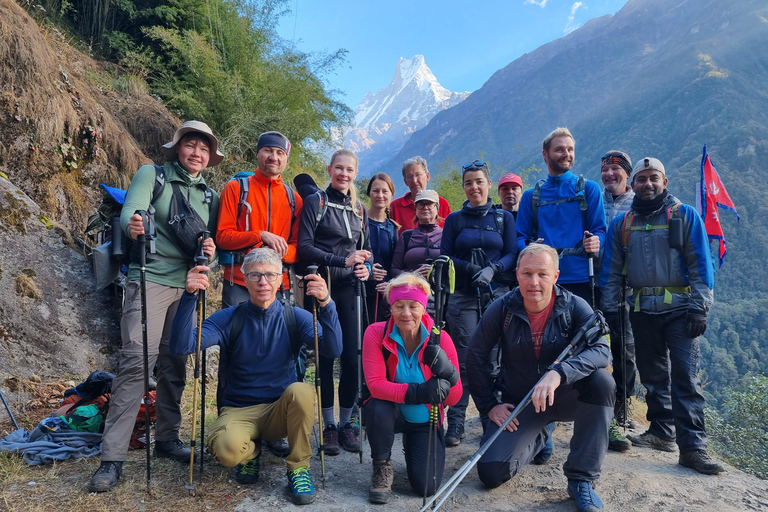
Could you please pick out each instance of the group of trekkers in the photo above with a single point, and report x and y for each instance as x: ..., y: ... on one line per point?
x: 528, y: 274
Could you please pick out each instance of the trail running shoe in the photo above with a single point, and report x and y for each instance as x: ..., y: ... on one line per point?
x: 649, y: 440
x: 616, y: 440
x: 348, y: 439
x: 302, y: 490
x: 331, y: 440
x: 248, y: 473
x: 700, y: 461
x: 583, y: 493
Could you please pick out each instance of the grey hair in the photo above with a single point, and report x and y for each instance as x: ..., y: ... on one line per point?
x: 557, y: 132
x: 262, y: 255
x: 535, y: 249
x: 415, y: 160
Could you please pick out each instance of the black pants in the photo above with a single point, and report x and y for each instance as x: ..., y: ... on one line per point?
x: 344, y: 297
x: 587, y: 402
x: 383, y: 420
x: 668, y: 361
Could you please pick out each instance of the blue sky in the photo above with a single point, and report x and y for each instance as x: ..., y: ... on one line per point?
x: 463, y: 42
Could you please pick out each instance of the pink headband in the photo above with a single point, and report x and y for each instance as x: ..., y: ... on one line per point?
x: 408, y: 292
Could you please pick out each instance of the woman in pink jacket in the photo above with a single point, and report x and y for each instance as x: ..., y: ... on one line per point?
x: 403, y: 388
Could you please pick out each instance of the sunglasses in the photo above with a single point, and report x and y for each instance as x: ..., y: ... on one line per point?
x: 477, y: 164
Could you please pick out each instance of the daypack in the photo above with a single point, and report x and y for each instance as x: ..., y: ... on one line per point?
x: 627, y: 227
x: 138, y: 439
x: 536, y: 202
x: 325, y: 203
x: 236, y: 257
x: 115, y: 250
x: 86, y: 418
x: 297, y: 347
x: 507, y: 277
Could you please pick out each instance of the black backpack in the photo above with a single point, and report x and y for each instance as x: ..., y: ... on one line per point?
x: 536, y: 202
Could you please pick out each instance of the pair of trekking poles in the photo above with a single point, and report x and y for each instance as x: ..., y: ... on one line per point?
x: 200, y: 360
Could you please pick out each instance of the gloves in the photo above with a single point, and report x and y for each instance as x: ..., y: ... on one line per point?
x: 696, y: 323
x: 473, y: 269
x: 439, y: 364
x: 433, y: 391
x: 484, y: 277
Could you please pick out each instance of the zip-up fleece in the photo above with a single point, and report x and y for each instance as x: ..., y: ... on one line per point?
x: 329, y: 243
x: 377, y: 340
x: 422, y: 237
x: 139, y: 196
x: 519, y: 368
x: 261, y: 364
x: 653, y: 264
x: 270, y: 211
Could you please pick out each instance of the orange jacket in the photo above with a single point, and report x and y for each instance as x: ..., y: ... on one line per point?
x: 270, y: 211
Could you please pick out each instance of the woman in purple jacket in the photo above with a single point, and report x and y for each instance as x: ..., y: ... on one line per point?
x: 417, y: 247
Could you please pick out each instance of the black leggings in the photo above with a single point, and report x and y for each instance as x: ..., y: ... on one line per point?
x: 344, y: 297
x: 383, y: 420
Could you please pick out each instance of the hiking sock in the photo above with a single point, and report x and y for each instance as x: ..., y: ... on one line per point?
x: 328, y: 417
x: 345, y: 413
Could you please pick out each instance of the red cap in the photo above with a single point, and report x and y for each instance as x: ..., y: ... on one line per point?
x: 511, y: 179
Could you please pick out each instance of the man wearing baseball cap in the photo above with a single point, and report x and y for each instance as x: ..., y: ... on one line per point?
x: 259, y: 211
x: 510, y: 192
x: 193, y: 149
x: 615, y: 170
x: 660, y: 246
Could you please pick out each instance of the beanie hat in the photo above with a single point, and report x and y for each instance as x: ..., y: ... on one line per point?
x: 619, y: 158
x: 274, y: 140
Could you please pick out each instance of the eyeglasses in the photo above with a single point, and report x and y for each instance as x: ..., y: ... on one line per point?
x: 255, y: 277
x: 424, y: 205
x: 477, y: 164
x: 416, y: 176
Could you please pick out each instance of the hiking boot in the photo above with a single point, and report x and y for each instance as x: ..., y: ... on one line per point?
x: 652, y: 441
x: 348, y: 439
x: 381, y: 482
x: 174, y: 449
x: 622, y: 416
x: 279, y: 447
x: 454, y: 435
x: 549, y: 447
x: 248, y: 473
x: 107, y: 476
x: 616, y: 441
x: 331, y: 440
x: 302, y: 490
x: 583, y: 493
x: 700, y: 461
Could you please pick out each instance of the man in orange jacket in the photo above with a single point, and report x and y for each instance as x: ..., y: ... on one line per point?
x: 267, y: 218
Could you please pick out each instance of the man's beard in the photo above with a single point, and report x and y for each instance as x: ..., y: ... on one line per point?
x: 561, y: 169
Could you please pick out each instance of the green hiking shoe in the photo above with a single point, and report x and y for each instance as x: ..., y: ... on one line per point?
x: 248, y: 473
x: 649, y: 440
x: 616, y: 441
x: 302, y: 490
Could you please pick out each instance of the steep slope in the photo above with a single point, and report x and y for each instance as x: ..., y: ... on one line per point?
x: 385, y: 120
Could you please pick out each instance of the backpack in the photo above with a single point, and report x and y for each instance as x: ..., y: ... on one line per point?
x: 235, y: 257
x: 580, y: 196
x: 325, y: 203
x: 115, y: 250
x: 506, y: 277
x: 297, y: 347
x: 137, y: 440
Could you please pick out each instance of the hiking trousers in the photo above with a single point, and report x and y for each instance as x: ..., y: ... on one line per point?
x: 383, y: 420
x: 235, y: 437
x: 128, y: 386
x: 344, y: 297
x: 587, y: 402
x: 668, y: 362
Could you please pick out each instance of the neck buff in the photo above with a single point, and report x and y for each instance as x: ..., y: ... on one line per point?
x: 645, y: 208
x: 477, y: 210
x: 408, y: 292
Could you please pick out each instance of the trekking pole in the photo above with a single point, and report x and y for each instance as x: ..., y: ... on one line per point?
x: 7, y: 408
x: 142, y: 239
x: 358, y: 314
x: 200, y: 259
x: 591, y: 262
x: 594, y: 325
x: 312, y: 269
x: 437, y: 268
x: 622, y: 325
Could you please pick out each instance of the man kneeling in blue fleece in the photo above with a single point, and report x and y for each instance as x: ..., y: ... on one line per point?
x: 259, y: 397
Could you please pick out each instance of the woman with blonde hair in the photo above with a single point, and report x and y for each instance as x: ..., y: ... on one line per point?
x: 333, y: 234
x: 403, y: 388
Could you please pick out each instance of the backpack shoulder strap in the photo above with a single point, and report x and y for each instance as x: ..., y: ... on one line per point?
x: 243, y: 204
x: 500, y: 222
x: 291, y: 201
x: 581, y: 195
x: 407, y: 239
x: 236, y: 327
x: 158, y: 188
x: 322, y: 208
x: 535, y: 202
x: 461, y: 223
x: 289, y: 315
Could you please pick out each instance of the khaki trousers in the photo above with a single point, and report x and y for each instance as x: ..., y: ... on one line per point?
x: 128, y: 386
x: 235, y: 437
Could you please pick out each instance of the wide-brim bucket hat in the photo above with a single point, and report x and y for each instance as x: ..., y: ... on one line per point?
x: 169, y: 149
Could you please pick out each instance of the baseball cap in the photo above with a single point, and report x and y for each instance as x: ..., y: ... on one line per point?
x: 511, y: 179
x: 427, y: 195
x: 649, y: 163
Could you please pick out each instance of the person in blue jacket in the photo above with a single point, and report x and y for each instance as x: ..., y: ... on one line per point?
x: 260, y: 397
x: 480, y: 239
x: 565, y: 212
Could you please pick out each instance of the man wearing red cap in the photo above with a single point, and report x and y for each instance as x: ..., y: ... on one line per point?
x: 510, y: 192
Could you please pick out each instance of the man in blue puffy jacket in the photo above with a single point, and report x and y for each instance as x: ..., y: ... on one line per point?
x: 259, y: 396
x: 565, y: 212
